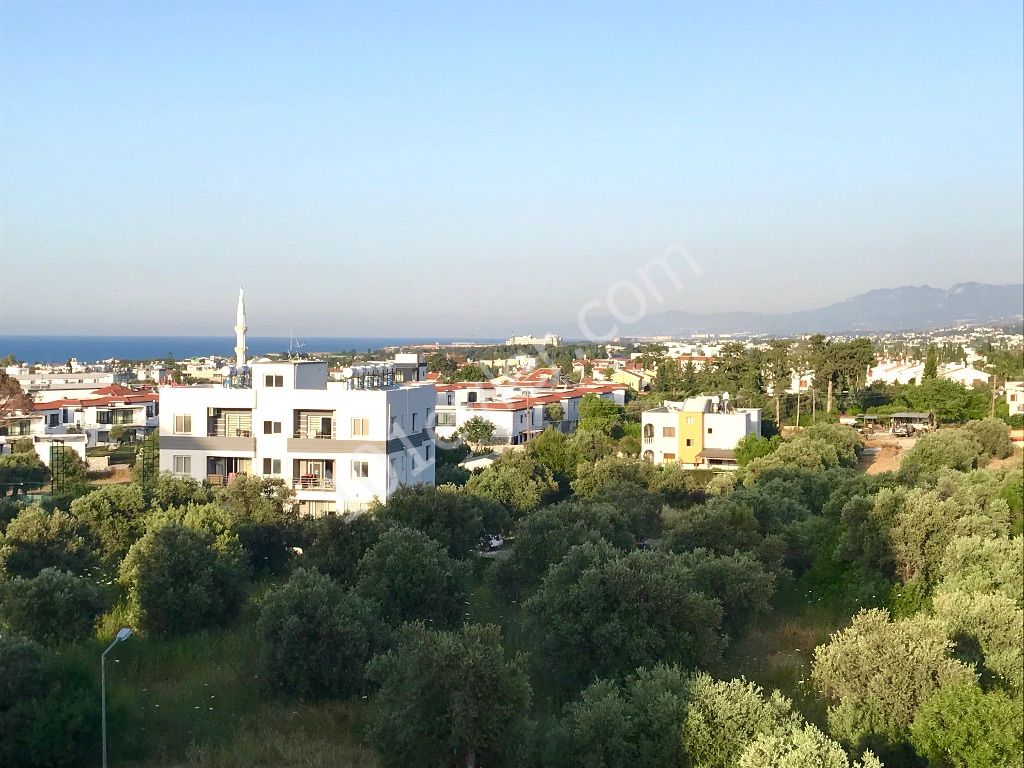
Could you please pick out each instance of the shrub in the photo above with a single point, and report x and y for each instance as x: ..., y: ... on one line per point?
x: 315, y: 637
x: 177, y: 583
x: 54, y: 607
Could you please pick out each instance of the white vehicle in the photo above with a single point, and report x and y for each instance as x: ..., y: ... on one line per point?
x: 494, y: 541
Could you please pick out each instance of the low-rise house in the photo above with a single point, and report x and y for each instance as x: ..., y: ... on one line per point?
x: 698, y: 433
x: 93, y: 414
x: 518, y: 408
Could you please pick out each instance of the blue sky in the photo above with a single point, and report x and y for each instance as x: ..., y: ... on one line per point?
x: 440, y: 168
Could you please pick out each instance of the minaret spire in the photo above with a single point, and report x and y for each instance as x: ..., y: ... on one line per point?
x: 240, y: 329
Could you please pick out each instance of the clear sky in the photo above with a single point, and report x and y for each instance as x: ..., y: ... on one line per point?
x: 437, y: 168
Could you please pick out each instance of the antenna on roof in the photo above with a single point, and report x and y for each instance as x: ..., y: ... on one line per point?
x: 293, y: 346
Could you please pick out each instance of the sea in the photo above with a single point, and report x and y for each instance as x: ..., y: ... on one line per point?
x: 90, y: 349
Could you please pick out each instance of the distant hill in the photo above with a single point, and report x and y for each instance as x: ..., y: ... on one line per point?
x: 906, y: 308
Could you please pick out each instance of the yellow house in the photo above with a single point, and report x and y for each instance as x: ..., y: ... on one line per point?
x: 699, y: 432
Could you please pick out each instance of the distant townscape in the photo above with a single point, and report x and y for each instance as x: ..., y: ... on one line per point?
x: 360, y: 540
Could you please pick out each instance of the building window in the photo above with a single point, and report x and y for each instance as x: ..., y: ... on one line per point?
x: 668, y: 431
x: 182, y: 465
x: 648, y: 430
x: 360, y: 427
x: 670, y: 457
x: 709, y: 430
x: 414, y: 422
x: 689, y: 442
x: 183, y: 424
x: 271, y: 427
x: 430, y: 415
x: 427, y: 451
x: 273, y: 381
x: 271, y: 466
x: 689, y: 419
x: 53, y: 419
x: 648, y: 455
x: 360, y: 469
x: 446, y: 418
x: 66, y: 415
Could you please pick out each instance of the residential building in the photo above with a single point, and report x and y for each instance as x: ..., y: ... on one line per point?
x: 547, y: 340
x: 339, y: 444
x: 518, y: 408
x: 1015, y: 397
x: 698, y: 433
x: 92, y: 414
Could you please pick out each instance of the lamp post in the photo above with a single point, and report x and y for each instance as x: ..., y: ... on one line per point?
x: 122, y: 634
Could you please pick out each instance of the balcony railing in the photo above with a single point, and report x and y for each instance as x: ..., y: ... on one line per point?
x: 313, y: 484
x: 310, y: 434
x: 220, y: 429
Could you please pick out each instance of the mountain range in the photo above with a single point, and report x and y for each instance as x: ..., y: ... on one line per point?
x: 906, y: 308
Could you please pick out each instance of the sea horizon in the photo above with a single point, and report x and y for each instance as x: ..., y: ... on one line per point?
x: 59, y: 348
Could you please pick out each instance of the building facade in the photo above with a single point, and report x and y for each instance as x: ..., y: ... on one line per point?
x: 698, y: 433
x: 339, y: 444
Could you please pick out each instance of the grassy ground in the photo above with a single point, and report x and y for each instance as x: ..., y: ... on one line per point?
x: 197, y: 701
x: 777, y: 654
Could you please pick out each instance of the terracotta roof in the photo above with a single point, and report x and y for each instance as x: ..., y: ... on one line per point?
x: 114, y: 389
x: 137, y: 399
x: 464, y: 385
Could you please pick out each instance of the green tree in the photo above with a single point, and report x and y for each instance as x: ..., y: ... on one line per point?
x: 264, y: 518
x: 315, y: 637
x: 600, y: 415
x: 631, y: 724
x: 122, y: 434
x: 446, y: 514
x: 555, y: 451
x: 993, y: 437
x: 597, y: 613
x: 53, y: 608
x: 516, y: 481
x: 35, y: 540
x: 554, y: 413
x: 176, y: 583
x: 724, y: 718
x: 959, y: 726
x: 48, y: 708
x: 797, y: 747
x: 754, y: 447
x: 21, y: 472
x: 412, y: 578
x: 337, y: 542
x: 477, y: 431
x: 449, y: 699
x: 931, y: 363
x: 115, y: 514
x: 546, y: 535
x: 877, y: 672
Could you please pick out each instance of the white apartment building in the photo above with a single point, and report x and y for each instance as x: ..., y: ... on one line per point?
x: 338, y: 444
x: 698, y: 433
x: 547, y: 340
x: 44, y: 385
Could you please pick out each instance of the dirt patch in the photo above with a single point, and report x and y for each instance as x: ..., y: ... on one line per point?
x: 116, y: 474
x: 883, y: 453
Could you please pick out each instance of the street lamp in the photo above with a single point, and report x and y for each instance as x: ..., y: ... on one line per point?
x: 122, y: 634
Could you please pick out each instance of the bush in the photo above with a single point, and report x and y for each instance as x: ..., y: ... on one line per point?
x: 936, y: 451
x: 412, y: 578
x: 176, y: 583
x: 48, y: 709
x: 993, y: 437
x: 53, y: 608
x: 115, y: 514
x: 35, y: 540
x: 315, y: 637
x: 337, y: 542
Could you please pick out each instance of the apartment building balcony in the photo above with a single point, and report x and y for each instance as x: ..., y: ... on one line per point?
x: 221, y: 470
x: 310, y: 483
x: 313, y: 475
